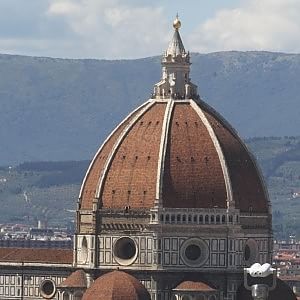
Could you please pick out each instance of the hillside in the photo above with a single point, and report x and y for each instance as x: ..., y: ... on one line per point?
x: 49, y: 190
x: 60, y: 109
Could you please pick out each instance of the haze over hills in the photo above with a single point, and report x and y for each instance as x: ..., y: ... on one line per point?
x: 61, y: 109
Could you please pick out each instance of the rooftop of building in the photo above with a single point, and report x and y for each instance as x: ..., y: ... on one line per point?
x: 35, y: 255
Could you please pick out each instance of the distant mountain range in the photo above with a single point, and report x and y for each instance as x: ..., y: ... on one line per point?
x: 61, y: 109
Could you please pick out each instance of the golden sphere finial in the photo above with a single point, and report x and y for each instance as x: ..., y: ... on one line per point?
x: 177, y: 23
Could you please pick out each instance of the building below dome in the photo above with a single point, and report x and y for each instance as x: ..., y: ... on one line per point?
x: 172, y: 206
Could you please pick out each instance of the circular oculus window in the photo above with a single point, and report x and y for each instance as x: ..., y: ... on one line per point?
x: 47, y: 289
x: 194, y: 252
x: 125, y: 251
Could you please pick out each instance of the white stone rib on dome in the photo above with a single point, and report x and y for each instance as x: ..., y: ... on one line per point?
x: 116, y: 146
x: 230, y: 201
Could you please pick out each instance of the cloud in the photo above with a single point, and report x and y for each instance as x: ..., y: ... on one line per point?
x: 113, y: 28
x: 135, y: 28
x: 64, y: 8
x: 83, y: 28
x: 256, y: 25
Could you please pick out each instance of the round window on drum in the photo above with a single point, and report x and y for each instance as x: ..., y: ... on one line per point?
x: 194, y: 252
x: 125, y: 251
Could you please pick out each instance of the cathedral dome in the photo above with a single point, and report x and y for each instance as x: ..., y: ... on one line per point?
x: 174, y: 151
x: 177, y: 154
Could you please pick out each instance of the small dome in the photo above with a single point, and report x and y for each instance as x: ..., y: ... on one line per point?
x: 194, y: 286
x: 116, y: 285
x: 76, y: 280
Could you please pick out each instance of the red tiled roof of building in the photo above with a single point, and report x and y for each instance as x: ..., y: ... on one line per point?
x: 34, y: 255
x: 76, y: 280
x: 194, y: 286
x: 290, y: 278
x: 116, y: 285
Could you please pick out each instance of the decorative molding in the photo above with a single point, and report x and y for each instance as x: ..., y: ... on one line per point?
x: 162, y: 152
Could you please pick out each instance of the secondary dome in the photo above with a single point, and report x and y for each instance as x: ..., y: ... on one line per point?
x: 194, y: 286
x: 116, y: 285
x: 174, y: 151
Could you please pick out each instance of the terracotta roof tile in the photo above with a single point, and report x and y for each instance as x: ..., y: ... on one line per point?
x: 249, y: 195
x: 131, y: 179
x: 76, y: 280
x: 290, y: 278
x: 194, y: 286
x: 116, y: 285
x: 31, y: 255
x: 92, y: 179
x: 193, y: 175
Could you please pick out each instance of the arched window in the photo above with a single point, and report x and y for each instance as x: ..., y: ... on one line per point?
x: 84, y: 250
x: 200, y: 219
x: 184, y: 218
x: 66, y: 296
x: 206, y: 219
x: 195, y: 219
x: 167, y: 218
x: 190, y: 219
x: 230, y: 219
x: 223, y: 219
x: 172, y: 218
x: 212, y: 219
x: 161, y: 218
x: 178, y: 218
x: 218, y: 219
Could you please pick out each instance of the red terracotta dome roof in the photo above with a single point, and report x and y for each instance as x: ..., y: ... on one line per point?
x: 194, y: 286
x: 76, y: 280
x: 116, y: 285
x: 180, y: 153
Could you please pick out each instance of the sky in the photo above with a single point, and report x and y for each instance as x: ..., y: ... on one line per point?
x: 117, y: 29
